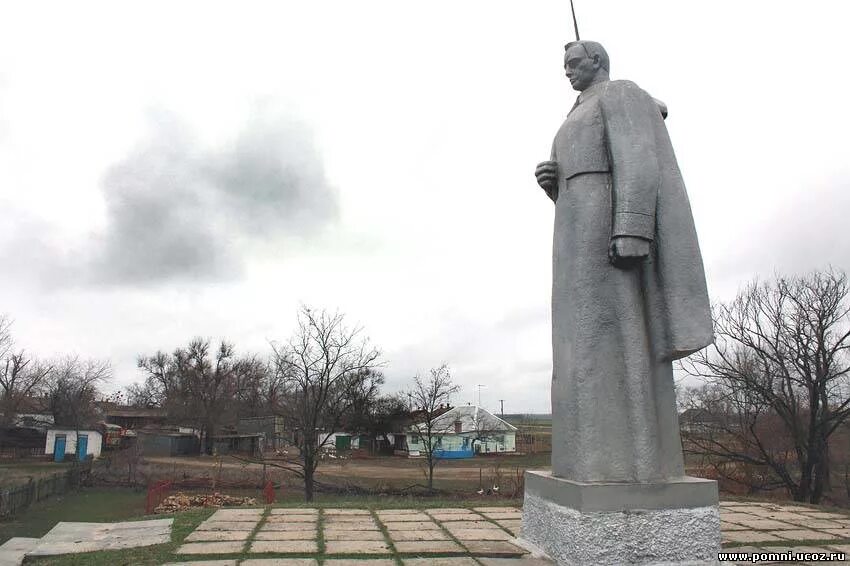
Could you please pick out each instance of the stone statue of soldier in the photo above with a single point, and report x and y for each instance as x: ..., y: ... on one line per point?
x: 628, y: 298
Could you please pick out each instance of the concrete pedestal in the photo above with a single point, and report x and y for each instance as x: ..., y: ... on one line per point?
x: 673, y: 522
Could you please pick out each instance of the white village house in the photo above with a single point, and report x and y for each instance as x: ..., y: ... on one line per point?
x: 464, y: 431
x: 62, y: 442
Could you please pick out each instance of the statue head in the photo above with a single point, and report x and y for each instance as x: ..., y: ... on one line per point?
x: 586, y: 63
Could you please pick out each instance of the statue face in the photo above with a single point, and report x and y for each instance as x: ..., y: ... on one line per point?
x: 580, y: 67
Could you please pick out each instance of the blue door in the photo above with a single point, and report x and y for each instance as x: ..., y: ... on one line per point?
x: 82, y: 446
x: 59, y: 448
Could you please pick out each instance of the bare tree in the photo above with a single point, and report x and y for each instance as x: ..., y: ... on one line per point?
x: 777, y: 384
x: 430, y: 396
x: 21, y: 376
x: 324, y: 368
x: 376, y: 416
x: 74, y: 386
x: 196, y: 384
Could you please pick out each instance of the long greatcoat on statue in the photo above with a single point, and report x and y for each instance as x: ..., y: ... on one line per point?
x: 616, y: 331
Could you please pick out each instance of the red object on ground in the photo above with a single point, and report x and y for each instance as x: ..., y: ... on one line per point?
x: 156, y: 493
x: 268, y: 491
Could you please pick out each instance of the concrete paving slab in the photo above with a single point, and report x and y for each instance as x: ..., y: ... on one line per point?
x: 210, y: 548
x: 736, y: 517
x: 335, y: 511
x: 361, y: 526
x: 794, y: 549
x: 294, y: 511
x: 347, y: 518
x: 824, y: 515
x: 280, y: 562
x: 292, y: 518
x: 71, y: 538
x: 356, y: 547
x: 407, y: 517
x: 284, y: 546
x: 497, y: 509
x: 428, y: 547
x: 217, y: 536
x: 804, y: 534
x: 236, y: 515
x: 289, y: 527
x: 724, y: 526
x: 750, y: 509
x: 785, y: 516
x: 453, y: 517
x: 448, y: 510
x: 526, y: 561
x: 839, y: 548
x: 749, y: 536
x: 227, y: 525
x: 509, y: 524
x: 816, y: 523
x: 349, y: 535
x: 134, y: 542
x: 470, y: 525
x: 479, y: 534
x: 511, y: 515
x: 13, y: 551
x: 396, y: 512
x: 432, y: 561
x: 766, y: 525
x: 494, y: 548
x: 412, y: 526
x: 840, y: 533
x: 286, y: 535
x: 204, y: 563
x: 151, y: 524
x: 404, y: 536
x: 359, y: 562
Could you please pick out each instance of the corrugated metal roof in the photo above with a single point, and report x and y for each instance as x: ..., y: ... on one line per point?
x: 472, y: 418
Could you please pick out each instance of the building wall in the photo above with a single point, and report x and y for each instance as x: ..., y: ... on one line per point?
x: 272, y: 427
x: 168, y: 445
x: 93, y: 446
x: 462, y: 443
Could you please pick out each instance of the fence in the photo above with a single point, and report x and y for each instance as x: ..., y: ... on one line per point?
x: 533, y: 443
x: 18, y: 453
x: 17, y: 499
x: 156, y: 493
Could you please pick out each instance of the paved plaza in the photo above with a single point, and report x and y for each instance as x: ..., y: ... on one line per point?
x: 476, y: 536
x: 338, y: 536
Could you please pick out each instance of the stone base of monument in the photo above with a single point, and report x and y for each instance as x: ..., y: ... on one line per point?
x: 672, y: 522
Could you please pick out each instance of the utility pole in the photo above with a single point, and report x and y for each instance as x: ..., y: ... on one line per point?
x: 502, y: 403
x: 479, y: 393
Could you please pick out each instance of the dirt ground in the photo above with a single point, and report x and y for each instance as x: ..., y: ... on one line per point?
x: 389, y: 472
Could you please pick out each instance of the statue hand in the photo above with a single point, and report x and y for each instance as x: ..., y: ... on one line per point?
x: 547, y: 175
x: 626, y: 252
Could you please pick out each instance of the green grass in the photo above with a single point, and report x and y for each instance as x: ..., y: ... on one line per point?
x: 19, y: 473
x: 123, y: 504
x: 87, y: 505
x: 90, y: 507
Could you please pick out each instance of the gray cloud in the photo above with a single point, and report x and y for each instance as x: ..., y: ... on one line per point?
x: 511, y: 358
x: 801, y: 234
x: 177, y: 210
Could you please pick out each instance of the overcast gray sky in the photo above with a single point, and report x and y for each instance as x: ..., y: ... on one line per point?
x: 169, y: 169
